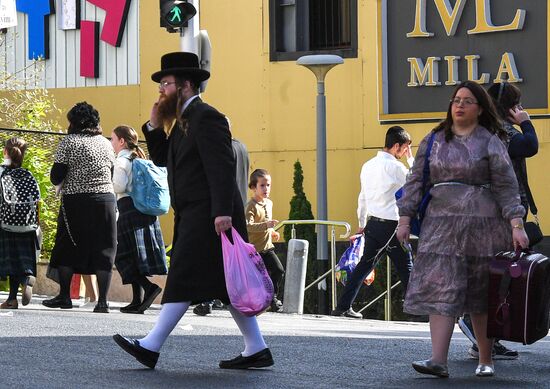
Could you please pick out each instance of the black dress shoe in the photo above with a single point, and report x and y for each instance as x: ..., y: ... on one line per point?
x: 150, y: 295
x: 58, y: 302
x: 203, y: 309
x: 131, y: 308
x: 101, y: 307
x: 260, y: 359
x: 131, y: 346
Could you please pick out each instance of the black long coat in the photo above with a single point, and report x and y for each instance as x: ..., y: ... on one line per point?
x: 201, y: 177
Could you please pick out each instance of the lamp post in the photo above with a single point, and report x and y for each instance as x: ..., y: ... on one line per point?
x: 320, y: 65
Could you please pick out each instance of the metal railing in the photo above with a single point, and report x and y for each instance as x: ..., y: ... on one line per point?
x: 387, y: 293
x: 332, y: 224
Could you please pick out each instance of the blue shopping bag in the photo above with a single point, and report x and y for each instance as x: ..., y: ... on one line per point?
x: 350, y: 258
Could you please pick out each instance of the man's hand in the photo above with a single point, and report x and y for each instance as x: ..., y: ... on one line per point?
x: 154, y: 118
x: 408, y: 152
x: 222, y: 223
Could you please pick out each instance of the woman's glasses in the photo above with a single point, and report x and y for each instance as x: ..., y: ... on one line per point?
x: 467, y: 101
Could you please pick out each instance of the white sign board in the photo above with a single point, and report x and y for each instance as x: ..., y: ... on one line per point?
x: 68, y: 14
x: 8, y: 14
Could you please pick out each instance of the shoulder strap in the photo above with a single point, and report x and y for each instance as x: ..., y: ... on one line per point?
x: 530, y: 199
x: 426, y: 170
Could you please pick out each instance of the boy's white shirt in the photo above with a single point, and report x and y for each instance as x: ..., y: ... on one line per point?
x: 381, y: 177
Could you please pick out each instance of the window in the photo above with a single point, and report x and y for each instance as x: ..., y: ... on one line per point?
x: 301, y: 27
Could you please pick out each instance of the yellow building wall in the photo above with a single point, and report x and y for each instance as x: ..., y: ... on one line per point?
x: 272, y: 104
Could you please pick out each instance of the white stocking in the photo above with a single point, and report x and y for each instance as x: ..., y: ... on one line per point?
x: 168, y: 319
x: 253, y: 339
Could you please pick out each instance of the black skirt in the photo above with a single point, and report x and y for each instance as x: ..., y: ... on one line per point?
x: 196, y: 264
x: 90, y: 219
x: 17, y: 253
x: 140, y: 249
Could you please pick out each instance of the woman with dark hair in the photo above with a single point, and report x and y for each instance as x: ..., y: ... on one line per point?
x: 17, y: 249
x: 85, y: 242
x: 474, y: 195
x: 140, y: 250
x: 521, y: 144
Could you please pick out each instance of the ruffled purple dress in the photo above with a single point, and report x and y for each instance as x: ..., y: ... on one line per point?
x: 475, y: 195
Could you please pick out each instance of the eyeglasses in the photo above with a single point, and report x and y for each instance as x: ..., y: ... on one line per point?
x: 466, y: 101
x: 164, y: 84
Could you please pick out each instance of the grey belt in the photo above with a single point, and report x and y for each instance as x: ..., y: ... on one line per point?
x: 484, y: 186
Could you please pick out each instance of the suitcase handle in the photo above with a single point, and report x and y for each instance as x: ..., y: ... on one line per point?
x: 518, y: 251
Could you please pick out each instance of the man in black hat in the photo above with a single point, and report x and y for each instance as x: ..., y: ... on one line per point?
x: 192, y: 139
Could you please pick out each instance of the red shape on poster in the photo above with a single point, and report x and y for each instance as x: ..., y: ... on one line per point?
x: 89, y: 49
x: 116, y: 13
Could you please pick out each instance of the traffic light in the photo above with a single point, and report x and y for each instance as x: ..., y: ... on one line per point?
x: 174, y: 14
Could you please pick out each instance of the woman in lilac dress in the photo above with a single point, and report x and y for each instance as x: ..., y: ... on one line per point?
x: 474, y: 213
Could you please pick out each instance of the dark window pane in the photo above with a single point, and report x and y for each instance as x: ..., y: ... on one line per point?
x: 299, y: 27
x: 329, y: 24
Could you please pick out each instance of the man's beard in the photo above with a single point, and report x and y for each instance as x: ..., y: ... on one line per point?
x: 167, y: 108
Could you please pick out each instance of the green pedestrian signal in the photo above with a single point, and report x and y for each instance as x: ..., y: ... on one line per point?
x: 174, y: 14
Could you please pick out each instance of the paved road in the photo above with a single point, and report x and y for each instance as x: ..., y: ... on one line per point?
x: 44, y: 348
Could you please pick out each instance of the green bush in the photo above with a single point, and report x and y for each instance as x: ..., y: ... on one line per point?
x: 300, y: 209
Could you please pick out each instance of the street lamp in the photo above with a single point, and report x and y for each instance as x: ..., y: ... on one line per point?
x: 320, y: 65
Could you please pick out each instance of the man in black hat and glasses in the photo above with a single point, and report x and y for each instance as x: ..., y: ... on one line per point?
x: 192, y: 139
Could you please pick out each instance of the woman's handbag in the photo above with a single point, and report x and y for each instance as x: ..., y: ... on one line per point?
x: 248, y: 284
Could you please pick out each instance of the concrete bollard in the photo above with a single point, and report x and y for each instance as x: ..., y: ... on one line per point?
x: 295, y: 276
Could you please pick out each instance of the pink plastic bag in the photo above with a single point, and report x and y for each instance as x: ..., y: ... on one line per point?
x: 248, y: 284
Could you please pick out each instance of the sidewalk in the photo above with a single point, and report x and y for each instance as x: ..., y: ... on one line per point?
x: 81, y: 304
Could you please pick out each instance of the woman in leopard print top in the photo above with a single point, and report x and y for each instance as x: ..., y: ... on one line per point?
x: 86, y: 226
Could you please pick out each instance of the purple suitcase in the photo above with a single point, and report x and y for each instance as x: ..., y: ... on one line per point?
x: 519, y: 296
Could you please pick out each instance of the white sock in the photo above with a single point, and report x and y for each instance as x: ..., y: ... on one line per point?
x: 253, y: 339
x: 168, y: 319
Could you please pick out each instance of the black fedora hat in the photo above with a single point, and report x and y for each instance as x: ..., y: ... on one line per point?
x: 181, y: 64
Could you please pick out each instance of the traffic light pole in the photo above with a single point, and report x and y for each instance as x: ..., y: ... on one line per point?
x: 189, y: 35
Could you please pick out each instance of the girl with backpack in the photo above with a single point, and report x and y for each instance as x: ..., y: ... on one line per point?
x: 140, y: 250
x: 17, y: 249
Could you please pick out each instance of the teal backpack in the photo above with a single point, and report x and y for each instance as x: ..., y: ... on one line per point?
x: 149, y: 187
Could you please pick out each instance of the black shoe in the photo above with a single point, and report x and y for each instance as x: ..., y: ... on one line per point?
x: 203, y: 309
x: 150, y: 295
x: 58, y: 302
x: 101, y: 307
x: 499, y: 352
x: 260, y: 359
x: 217, y: 304
x: 349, y: 313
x: 131, y: 346
x: 131, y: 308
x: 276, y: 305
x: 502, y: 352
